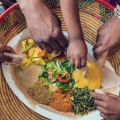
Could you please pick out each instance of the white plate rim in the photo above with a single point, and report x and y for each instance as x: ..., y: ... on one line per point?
x: 6, y: 72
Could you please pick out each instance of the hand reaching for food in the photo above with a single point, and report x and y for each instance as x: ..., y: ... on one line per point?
x: 108, y: 38
x: 5, y: 48
x: 43, y: 25
x: 77, y: 50
x: 77, y: 53
x: 108, y: 105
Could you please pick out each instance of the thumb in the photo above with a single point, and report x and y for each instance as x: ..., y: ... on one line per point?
x: 98, y: 50
x: 100, y: 47
x: 113, y: 50
x: 7, y: 58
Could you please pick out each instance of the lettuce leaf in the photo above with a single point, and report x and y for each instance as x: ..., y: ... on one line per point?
x: 65, y: 86
x: 68, y: 67
x: 55, y: 75
x: 58, y: 68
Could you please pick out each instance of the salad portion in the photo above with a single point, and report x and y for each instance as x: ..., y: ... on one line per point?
x: 58, y: 73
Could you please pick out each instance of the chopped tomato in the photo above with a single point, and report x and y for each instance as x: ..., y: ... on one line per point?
x: 60, y: 79
x: 52, y: 80
x: 50, y: 76
x: 50, y: 72
x: 64, y: 74
x: 40, y: 52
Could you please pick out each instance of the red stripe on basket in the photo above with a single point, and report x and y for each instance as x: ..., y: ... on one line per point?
x: 6, y: 12
x: 85, y: 11
x: 106, y: 4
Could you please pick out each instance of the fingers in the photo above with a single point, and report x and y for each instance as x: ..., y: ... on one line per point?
x: 98, y: 50
x: 6, y: 58
x: 5, y: 48
x: 100, y: 103
x: 58, y: 43
x: 100, y: 46
x: 1, y: 57
x: 97, y: 38
x: 78, y: 63
x: 62, y: 40
x: 102, y: 110
x: 112, y: 95
x: 55, y: 46
x: 44, y: 46
x: 9, y: 49
x: 83, y: 62
x: 99, y: 96
x: 77, y: 55
x: 72, y: 61
x: 104, y: 116
x: 38, y: 44
x: 108, y: 117
x: 113, y: 50
x: 47, y: 48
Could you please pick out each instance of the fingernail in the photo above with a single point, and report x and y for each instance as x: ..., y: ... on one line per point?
x: 92, y: 93
x: 77, y: 69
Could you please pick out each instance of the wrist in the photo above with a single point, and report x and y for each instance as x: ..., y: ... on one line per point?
x: 76, y: 40
x: 76, y: 33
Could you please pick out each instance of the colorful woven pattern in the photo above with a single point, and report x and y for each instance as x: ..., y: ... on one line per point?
x: 105, y: 13
x: 5, y: 23
x: 92, y: 15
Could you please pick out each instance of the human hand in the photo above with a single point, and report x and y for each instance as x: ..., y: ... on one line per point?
x: 44, y: 26
x: 108, y: 105
x: 77, y: 53
x: 5, y: 48
x: 108, y: 38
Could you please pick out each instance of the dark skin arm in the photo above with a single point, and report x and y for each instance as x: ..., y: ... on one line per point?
x: 108, y: 105
x: 5, y: 48
x: 43, y: 25
x: 77, y: 50
x: 108, y: 38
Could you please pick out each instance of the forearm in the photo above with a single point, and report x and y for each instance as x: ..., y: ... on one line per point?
x: 70, y: 12
x: 24, y: 4
x: 30, y: 6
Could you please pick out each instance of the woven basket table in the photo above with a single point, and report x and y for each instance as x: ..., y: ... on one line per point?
x: 92, y: 14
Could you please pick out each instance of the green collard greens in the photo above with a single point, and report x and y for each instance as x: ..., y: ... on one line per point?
x: 82, y: 101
